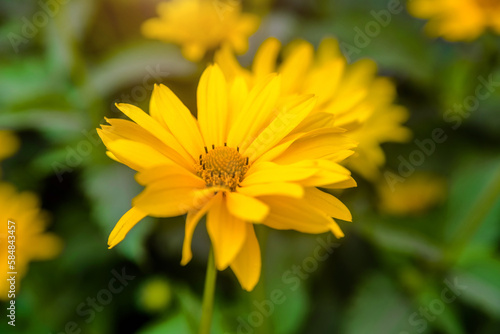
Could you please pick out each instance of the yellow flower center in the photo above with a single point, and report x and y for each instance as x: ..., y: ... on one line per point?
x: 489, y: 4
x: 222, y: 166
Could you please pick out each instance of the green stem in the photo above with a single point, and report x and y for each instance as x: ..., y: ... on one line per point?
x: 260, y: 293
x: 474, y: 219
x: 208, y: 295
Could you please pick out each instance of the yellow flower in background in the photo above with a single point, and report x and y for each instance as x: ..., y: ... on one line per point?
x: 415, y: 195
x: 457, y: 20
x: 202, y: 25
x: 31, y: 242
x: 350, y: 96
x: 252, y: 156
x: 9, y: 144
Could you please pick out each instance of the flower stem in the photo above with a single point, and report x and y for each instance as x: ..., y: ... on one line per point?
x: 208, y: 295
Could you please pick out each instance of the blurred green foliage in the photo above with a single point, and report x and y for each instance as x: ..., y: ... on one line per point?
x: 385, y: 276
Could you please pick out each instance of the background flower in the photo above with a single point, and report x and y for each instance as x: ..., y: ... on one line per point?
x: 200, y: 26
x: 458, y: 20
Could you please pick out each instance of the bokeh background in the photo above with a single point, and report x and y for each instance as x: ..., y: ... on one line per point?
x: 423, y: 258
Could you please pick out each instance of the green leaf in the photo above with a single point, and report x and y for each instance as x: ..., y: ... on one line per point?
x: 176, y: 323
x: 142, y: 63
x: 481, y: 278
x: 111, y: 189
x: 377, y: 308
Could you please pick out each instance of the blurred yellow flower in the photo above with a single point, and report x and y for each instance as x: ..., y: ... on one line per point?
x: 252, y: 156
x: 350, y: 96
x: 457, y: 20
x: 202, y: 25
x: 9, y: 144
x: 26, y: 239
x: 415, y: 195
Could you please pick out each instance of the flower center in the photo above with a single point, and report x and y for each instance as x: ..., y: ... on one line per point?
x: 489, y: 4
x: 222, y: 166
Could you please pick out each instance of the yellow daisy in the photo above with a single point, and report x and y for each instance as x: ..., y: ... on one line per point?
x: 350, y: 95
x: 457, y: 20
x: 27, y: 238
x: 202, y: 25
x: 9, y: 144
x: 417, y: 194
x: 250, y: 157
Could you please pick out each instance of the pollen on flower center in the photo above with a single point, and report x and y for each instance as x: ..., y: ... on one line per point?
x: 222, y: 166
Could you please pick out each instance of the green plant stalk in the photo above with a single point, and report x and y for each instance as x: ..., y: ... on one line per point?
x: 260, y: 292
x: 208, y: 295
x: 474, y: 219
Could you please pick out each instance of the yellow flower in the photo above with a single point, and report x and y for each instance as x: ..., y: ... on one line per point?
x: 351, y: 95
x: 9, y: 144
x: 202, y: 25
x: 418, y: 193
x: 251, y: 157
x: 457, y: 20
x: 30, y: 241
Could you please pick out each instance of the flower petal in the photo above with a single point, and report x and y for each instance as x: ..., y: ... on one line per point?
x: 192, y: 219
x: 294, y: 214
x: 274, y: 188
x: 246, y: 208
x: 124, y: 225
x: 257, y: 111
x: 247, y: 264
x: 227, y: 232
x: 174, y: 173
x: 151, y: 125
x: 178, y: 119
x: 136, y: 155
x: 264, y: 62
x: 268, y: 172
x: 327, y: 203
x: 212, y: 106
x: 161, y: 200
x: 292, y: 113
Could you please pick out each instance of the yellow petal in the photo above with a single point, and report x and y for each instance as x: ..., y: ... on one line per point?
x: 265, y: 59
x: 48, y: 245
x: 327, y: 203
x: 228, y: 63
x: 246, y: 208
x: 247, y: 264
x: 294, y: 214
x: 152, y: 126
x: 227, y: 232
x: 295, y: 67
x: 274, y: 188
x: 349, y: 183
x: 192, y: 219
x: 179, y: 120
x: 174, y: 173
x: 212, y: 106
x: 268, y: 172
x: 136, y: 155
x: 256, y: 112
x: 161, y: 200
x: 124, y: 225
x: 289, y: 117
x: 315, y: 147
